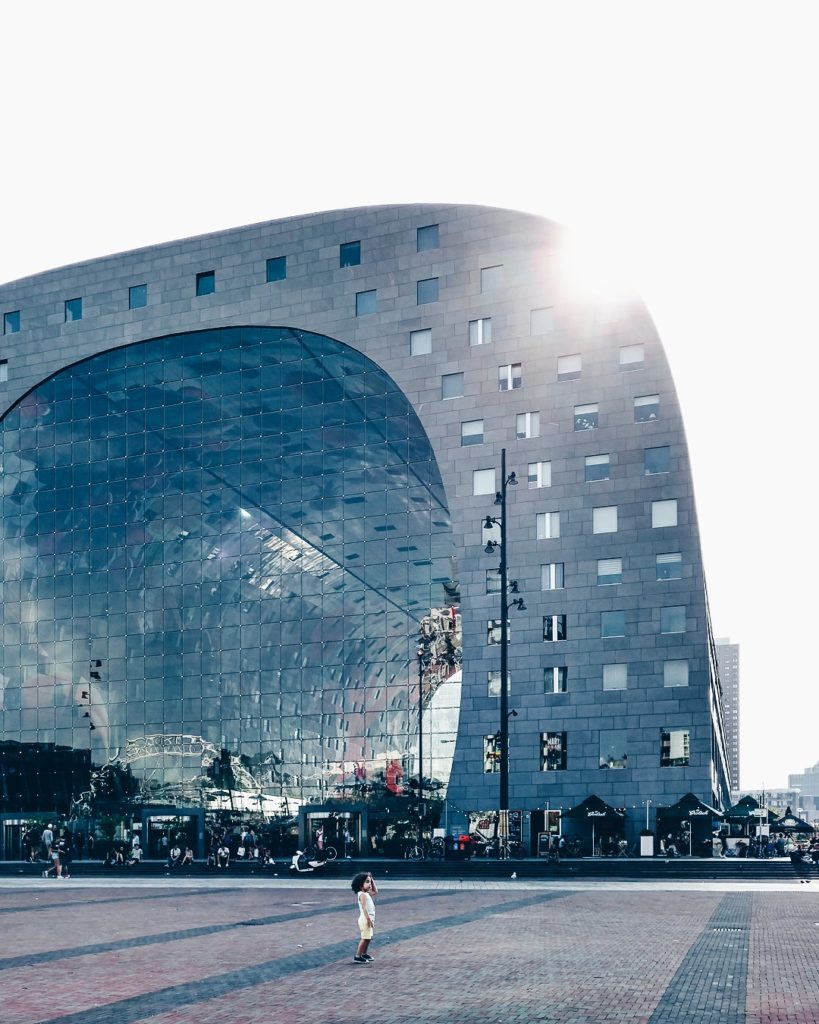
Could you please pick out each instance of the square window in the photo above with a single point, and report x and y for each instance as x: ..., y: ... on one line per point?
x: 547, y: 525
x: 669, y: 566
x: 349, y: 254
x: 613, y: 747
x: 471, y: 433
x: 553, y: 751
x: 527, y: 425
x: 672, y: 620
x: 483, y: 481
x: 420, y: 342
x: 646, y: 408
x: 509, y: 377
x: 452, y: 385
x: 276, y: 269
x: 491, y: 753
x: 493, y: 684
x: 206, y: 282
x: 493, y: 632
x: 675, y: 748
x: 4, y: 370
x: 615, y: 677
x: 11, y: 321
x: 664, y: 513
x: 73, y: 309
x: 137, y: 296
x: 597, y: 467
x: 585, y: 416
x: 632, y: 357
x: 489, y: 533
x: 657, y: 460
x: 541, y: 321
x: 426, y: 290
x: 480, y: 331
x: 554, y: 628
x: 609, y: 570
x: 366, y: 303
x: 604, y: 519
x: 491, y: 278
x: 551, y: 576
x: 493, y: 583
x: 612, y: 624
x: 539, y: 474
x: 675, y: 673
x: 568, y: 367
x: 426, y: 238
x: 555, y: 679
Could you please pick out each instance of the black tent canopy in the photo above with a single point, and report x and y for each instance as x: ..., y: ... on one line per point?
x: 600, y: 815
x: 594, y: 809
x: 690, y: 806
x: 789, y: 822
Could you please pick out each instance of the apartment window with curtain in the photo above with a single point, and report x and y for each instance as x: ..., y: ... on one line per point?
x: 555, y: 679
x: 569, y: 367
x: 551, y: 576
x: 597, y: 467
x: 509, y: 377
x: 527, y: 424
x: 480, y: 331
x: 547, y: 525
x: 539, y: 474
x: 609, y: 570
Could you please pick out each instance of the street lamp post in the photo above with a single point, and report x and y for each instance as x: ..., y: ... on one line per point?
x: 421, y: 660
x: 503, y: 734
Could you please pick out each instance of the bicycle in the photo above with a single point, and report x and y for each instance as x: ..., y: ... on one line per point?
x: 326, y: 853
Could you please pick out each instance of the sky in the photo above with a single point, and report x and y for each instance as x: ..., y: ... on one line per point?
x: 676, y: 140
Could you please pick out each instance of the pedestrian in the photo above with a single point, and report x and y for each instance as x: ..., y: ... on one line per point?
x: 54, y: 857
x: 363, y: 885
x: 47, y: 839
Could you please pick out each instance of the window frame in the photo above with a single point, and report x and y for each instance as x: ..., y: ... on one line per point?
x: 275, y: 269
x: 349, y: 249
x: 205, y: 283
x: 507, y: 380
x: 586, y: 416
x: 480, y: 331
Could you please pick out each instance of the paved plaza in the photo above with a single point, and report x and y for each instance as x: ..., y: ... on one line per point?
x: 279, y: 951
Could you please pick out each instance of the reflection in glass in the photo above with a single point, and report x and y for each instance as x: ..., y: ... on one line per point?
x: 219, y: 552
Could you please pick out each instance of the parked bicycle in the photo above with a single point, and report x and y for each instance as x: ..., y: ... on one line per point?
x: 425, y: 850
x: 325, y: 853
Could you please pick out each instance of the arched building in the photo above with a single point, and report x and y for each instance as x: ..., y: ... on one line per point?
x: 245, y: 479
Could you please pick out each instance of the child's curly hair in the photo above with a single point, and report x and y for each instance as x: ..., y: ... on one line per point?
x: 357, y: 883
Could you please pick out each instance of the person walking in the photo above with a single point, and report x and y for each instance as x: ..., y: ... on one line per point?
x: 363, y: 885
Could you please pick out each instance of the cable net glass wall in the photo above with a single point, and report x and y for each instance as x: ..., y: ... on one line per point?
x: 219, y: 550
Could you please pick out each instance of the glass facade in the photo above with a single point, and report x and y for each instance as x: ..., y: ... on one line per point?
x: 220, y: 550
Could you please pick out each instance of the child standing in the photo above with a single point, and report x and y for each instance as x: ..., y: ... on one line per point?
x: 365, y: 888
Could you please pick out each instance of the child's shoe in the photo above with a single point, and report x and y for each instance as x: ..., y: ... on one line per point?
x: 360, y: 959
x: 367, y: 957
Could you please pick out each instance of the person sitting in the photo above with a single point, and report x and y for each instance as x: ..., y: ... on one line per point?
x: 187, y: 859
x: 222, y: 856
x: 175, y: 856
x: 136, y: 856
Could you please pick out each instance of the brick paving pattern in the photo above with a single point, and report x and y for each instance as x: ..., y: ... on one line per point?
x: 120, y: 954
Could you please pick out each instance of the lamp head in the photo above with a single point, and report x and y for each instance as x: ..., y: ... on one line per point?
x: 498, y: 498
x: 490, y: 546
x: 488, y: 523
x: 512, y: 479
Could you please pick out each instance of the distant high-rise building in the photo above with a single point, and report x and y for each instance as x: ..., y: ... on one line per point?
x: 728, y: 661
